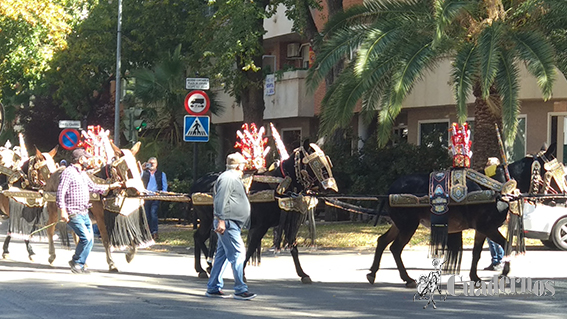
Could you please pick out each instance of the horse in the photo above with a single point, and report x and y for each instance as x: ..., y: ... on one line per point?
x: 484, y: 218
x: 121, y: 225
x: 27, y: 215
x: 306, y: 172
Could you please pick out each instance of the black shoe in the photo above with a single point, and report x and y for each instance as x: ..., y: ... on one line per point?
x: 218, y: 294
x: 76, y: 269
x: 494, y: 267
x: 245, y: 296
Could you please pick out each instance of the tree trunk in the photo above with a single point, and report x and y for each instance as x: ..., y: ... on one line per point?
x: 252, y: 95
x: 485, y: 141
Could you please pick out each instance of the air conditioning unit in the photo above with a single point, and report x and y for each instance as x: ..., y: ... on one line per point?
x: 293, y: 50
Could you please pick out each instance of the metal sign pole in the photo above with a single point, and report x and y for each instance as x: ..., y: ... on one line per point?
x: 117, y: 85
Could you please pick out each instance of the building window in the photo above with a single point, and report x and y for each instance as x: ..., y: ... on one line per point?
x: 291, y: 138
x: 433, y: 132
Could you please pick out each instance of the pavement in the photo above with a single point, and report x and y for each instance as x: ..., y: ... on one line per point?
x: 161, y: 284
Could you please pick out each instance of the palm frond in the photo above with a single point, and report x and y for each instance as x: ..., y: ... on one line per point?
x: 489, y: 49
x: 534, y: 49
x: 508, y: 88
x: 445, y: 12
x: 333, y: 51
x: 465, y: 69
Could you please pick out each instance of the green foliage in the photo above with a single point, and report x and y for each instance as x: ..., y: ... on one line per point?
x: 395, y: 43
x: 371, y: 170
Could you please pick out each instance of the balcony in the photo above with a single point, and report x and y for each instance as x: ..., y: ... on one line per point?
x: 290, y: 99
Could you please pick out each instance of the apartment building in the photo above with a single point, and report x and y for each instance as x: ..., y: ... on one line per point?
x: 430, y: 107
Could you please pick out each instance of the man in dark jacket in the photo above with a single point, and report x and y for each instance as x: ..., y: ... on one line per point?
x: 154, y: 181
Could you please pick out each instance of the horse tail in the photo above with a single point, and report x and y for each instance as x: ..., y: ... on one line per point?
x: 63, y: 234
x: 454, y: 253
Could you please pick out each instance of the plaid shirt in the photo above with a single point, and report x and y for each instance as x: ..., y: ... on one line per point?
x: 73, y: 190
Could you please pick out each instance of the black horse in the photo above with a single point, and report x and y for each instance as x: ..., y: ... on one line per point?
x: 307, y: 171
x: 485, y: 219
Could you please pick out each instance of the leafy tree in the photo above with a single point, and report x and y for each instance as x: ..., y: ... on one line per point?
x: 397, y: 42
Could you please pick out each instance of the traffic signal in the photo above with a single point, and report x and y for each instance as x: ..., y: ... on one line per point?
x: 133, y: 123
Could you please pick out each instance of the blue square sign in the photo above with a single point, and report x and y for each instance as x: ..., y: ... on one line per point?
x: 196, y: 128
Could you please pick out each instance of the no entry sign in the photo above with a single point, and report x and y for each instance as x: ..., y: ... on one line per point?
x: 197, y: 102
x: 69, y: 138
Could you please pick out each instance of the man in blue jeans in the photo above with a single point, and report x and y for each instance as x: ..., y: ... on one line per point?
x: 232, y: 212
x: 155, y: 181
x: 496, y: 250
x: 73, y: 201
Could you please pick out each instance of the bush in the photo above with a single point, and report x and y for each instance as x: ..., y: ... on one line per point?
x: 371, y: 170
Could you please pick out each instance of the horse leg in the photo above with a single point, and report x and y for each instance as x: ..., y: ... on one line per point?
x: 29, y: 249
x: 6, y: 253
x: 53, y: 217
x: 295, y: 254
x: 396, y: 248
x: 479, y: 239
x: 132, y: 250
x: 383, y: 241
x: 496, y: 236
x: 200, y: 237
x: 98, y: 212
x: 213, y: 238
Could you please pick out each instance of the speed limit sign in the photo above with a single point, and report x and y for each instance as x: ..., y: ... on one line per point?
x: 197, y: 102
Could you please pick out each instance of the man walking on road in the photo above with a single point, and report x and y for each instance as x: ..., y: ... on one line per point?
x: 232, y: 212
x: 73, y: 200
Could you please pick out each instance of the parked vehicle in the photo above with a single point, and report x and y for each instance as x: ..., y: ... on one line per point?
x: 547, y: 223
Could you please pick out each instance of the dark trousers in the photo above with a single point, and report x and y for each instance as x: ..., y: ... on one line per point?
x: 151, y: 207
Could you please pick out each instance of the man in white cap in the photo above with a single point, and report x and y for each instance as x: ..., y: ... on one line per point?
x: 73, y: 201
x: 232, y: 212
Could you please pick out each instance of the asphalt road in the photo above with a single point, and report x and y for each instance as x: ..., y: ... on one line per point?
x: 165, y: 285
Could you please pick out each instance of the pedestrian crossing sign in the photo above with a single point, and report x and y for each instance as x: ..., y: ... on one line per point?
x: 196, y: 128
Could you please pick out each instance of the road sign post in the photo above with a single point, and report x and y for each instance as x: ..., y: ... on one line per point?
x: 197, y: 83
x: 69, y: 124
x: 196, y: 128
x: 197, y: 103
x: 69, y: 138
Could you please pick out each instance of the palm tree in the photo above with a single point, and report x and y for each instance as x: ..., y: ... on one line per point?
x: 394, y: 43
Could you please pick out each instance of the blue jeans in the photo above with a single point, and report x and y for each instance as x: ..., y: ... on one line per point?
x: 496, y: 251
x: 81, y: 225
x: 151, y: 207
x: 230, y: 248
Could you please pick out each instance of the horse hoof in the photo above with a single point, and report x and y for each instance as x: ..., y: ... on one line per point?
x: 203, y: 275
x: 506, y: 269
x: 209, y: 269
x: 411, y: 284
x: 6, y: 256
x: 306, y: 280
x: 370, y: 277
x: 31, y: 258
x: 244, y: 279
x: 129, y: 257
x: 51, y: 259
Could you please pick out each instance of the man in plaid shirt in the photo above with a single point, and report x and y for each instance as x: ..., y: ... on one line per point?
x: 73, y: 200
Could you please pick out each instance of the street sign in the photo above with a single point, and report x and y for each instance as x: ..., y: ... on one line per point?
x: 69, y: 124
x: 197, y: 103
x: 196, y: 128
x: 197, y: 83
x: 69, y: 138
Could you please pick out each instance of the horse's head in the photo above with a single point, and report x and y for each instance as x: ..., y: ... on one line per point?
x: 311, y: 168
x: 125, y: 168
x: 521, y: 170
x: 40, y: 167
